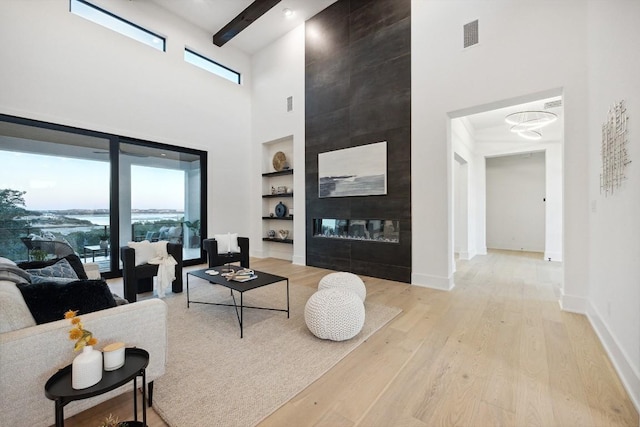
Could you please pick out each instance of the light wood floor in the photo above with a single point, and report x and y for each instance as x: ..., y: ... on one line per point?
x: 495, y: 351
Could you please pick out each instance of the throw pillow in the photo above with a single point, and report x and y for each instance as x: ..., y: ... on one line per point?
x: 144, y: 251
x: 72, y: 259
x: 48, y: 302
x: 62, y: 268
x: 227, y: 243
x: 119, y: 300
x: 35, y: 279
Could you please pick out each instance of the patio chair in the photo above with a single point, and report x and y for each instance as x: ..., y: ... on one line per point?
x: 152, y: 236
x: 53, y: 248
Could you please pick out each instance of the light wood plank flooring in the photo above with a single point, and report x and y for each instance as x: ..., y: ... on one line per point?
x: 495, y: 351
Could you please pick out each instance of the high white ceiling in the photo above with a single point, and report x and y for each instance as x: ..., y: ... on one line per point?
x: 490, y: 126
x: 212, y: 15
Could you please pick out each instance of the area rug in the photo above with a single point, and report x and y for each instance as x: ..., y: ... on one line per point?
x: 215, y: 378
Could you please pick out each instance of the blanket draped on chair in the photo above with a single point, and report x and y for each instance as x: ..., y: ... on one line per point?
x: 166, y: 267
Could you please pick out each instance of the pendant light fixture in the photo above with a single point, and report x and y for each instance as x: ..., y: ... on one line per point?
x: 526, y: 123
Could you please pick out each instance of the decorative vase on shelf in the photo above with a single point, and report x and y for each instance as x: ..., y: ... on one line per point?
x: 86, y: 369
x: 281, y: 210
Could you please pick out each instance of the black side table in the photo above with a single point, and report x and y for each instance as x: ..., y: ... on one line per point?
x: 58, y: 387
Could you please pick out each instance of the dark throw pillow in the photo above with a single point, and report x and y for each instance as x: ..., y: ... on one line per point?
x: 49, y: 301
x: 73, y: 259
x: 61, y: 269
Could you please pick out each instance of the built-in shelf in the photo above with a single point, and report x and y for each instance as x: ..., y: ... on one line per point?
x: 282, y: 172
x: 269, y: 239
x: 276, y: 190
x: 269, y: 196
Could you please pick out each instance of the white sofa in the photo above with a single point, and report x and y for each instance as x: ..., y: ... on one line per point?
x: 30, y: 354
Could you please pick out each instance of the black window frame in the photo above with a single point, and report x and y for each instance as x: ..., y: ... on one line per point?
x: 239, y: 76
x: 114, y: 202
x: 121, y: 19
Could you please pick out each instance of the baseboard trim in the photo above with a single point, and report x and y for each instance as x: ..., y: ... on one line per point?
x: 433, y: 282
x: 628, y: 375
x: 257, y: 254
x: 573, y: 304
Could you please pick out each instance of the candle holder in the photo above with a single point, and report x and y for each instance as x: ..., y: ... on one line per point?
x: 113, y: 356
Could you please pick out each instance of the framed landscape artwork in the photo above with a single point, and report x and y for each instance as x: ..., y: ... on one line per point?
x: 356, y: 171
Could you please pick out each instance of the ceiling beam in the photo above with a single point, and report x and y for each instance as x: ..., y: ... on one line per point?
x: 254, y: 11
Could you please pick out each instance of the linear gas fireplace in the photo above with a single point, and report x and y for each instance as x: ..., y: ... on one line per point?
x: 368, y: 230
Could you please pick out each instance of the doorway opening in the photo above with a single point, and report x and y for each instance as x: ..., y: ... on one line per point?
x: 507, y: 188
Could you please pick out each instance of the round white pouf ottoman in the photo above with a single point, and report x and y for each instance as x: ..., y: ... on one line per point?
x: 344, y: 280
x: 334, y: 314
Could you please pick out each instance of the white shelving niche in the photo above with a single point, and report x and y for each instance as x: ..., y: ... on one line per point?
x: 277, y: 186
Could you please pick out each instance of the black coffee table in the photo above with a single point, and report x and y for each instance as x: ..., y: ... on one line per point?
x: 58, y: 387
x: 263, y: 279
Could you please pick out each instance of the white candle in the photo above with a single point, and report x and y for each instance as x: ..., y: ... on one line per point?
x: 113, y: 356
x: 229, y: 241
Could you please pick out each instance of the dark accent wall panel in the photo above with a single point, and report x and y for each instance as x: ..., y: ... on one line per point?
x: 358, y: 92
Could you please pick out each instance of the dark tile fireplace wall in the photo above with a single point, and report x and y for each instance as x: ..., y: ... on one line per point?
x: 357, y: 92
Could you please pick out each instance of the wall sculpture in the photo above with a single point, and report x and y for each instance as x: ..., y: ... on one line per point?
x: 615, y: 156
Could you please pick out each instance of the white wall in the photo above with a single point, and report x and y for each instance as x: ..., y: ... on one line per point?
x: 61, y: 68
x: 469, y: 228
x: 554, y: 204
x: 278, y: 72
x: 614, y: 296
x: 446, y: 78
x: 515, y: 202
x: 461, y: 207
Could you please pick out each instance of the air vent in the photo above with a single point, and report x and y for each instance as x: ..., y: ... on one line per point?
x: 289, y: 104
x: 471, y: 34
x: 552, y: 104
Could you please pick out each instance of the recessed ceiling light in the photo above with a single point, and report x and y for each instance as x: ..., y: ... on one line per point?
x: 287, y: 12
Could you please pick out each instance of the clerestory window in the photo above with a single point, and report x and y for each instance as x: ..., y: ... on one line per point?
x: 117, y: 24
x: 211, y: 66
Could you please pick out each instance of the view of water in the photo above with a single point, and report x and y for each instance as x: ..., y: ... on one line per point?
x: 103, y: 220
x: 135, y: 217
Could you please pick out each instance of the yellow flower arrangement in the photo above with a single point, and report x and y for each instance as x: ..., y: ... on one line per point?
x: 78, y: 333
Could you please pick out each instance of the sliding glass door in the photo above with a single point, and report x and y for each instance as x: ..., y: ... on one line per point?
x: 55, y: 194
x: 95, y: 192
x: 160, y: 196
